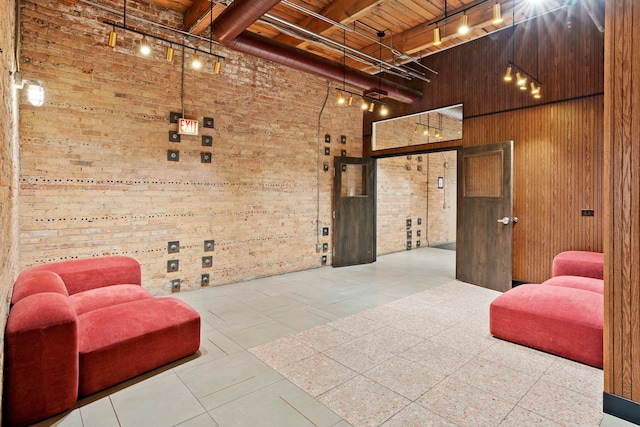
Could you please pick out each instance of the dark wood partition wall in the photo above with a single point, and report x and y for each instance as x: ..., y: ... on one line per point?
x: 558, y: 141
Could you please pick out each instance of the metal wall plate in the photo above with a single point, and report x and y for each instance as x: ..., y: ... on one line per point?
x: 173, y: 265
x: 419, y: 168
x: 344, y: 168
x: 207, y: 261
x: 323, y: 260
x: 173, y: 155
x: 175, y: 285
x: 204, y: 279
x: 417, y: 243
x: 327, y: 151
x: 174, y: 136
x: 173, y: 247
x: 419, y: 221
x: 409, y: 234
x: 205, y: 157
x: 327, y: 139
x: 209, y: 245
x: 408, y: 223
x: 408, y: 245
x: 325, y: 166
x: 325, y: 231
x: 418, y: 233
x: 419, y: 158
x: 207, y: 141
x: 343, y: 153
x: 325, y: 247
x: 174, y: 117
x: 208, y: 122
x: 343, y: 139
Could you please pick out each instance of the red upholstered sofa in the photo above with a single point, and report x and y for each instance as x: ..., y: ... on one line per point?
x: 563, y: 315
x: 77, y: 327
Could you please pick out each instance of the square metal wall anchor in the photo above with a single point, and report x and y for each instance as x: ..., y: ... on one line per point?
x: 343, y: 153
x: 417, y: 243
x: 419, y: 158
x: 409, y: 234
x: 327, y: 139
x: 205, y: 157
x: 323, y: 260
x: 325, y: 166
x: 204, y: 279
x: 409, y: 245
x: 207, y: 141
x: 418, y: 233
x: 325, y: 231
x: 173, y: 155
x: 174, y: 136
x: 207, y: 261
x: 408, y: 223
x: 207, y: 122
x: 344, y: 168
x: 419, y: 168
x: 173, y: 247
x: 175, y: 285
x: 327, y: 151
x: 343, y: 139
x: 209, y: 245
x: 325, y: 247
x: 419, y: 221
x: 173, y: 265
x: 174, y: 117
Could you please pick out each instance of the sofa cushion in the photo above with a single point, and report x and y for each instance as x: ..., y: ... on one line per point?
x: 578, y: 263
x: 94, y: 299
x: 122, y: 341
x: 41, y: 359
x: 35, y: 282
x: 559, y: 320
x: 578, y: 282
x: 83, y: 274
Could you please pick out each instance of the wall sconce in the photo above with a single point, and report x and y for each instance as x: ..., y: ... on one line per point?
x: 35, y: 90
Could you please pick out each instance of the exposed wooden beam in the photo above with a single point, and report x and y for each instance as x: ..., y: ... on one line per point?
x: 197, y: 18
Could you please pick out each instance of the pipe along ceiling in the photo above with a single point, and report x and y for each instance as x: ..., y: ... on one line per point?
x: 229, y: 29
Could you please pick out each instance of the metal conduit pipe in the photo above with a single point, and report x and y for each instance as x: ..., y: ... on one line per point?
x: 229, y: 30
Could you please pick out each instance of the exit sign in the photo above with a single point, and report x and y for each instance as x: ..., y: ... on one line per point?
x: 187, y: 127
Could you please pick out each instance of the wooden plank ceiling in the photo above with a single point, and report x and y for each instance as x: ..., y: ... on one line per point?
x: 408, y: 25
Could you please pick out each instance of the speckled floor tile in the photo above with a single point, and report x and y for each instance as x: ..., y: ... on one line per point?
x: 415, y: 415
x: 355, y: 325
x: 408, y: 305
x: 578, y: 377
x: 467, y: 405
x: 359, y: 355
x: 563, y: 405
x: 437, y: 357
x: 520, y: 358
x: 317, y: 374
x: 502, y: 382
x: 407, y: 378
x: 323, y: 337
x: 520, y: 417
x: 383, y: 314
x: 363, y: 402
x: 392, y: 339
x: 282, y: 352
x: 463, y: 340
x: 419, y: 326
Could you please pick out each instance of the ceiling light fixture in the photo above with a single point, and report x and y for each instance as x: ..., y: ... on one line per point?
x: 497, y: 14
x: 507, y: 76
x: 383, y: 110
x: 363, y: 104
x: 340, y: 98
x: 464, y: 29
x: 437, y: 41
x: 520, y: 79
x: 113, y: 38
x: 196, y: 63
x: 169, y: 55
x: 350, y: 100
x: 372, y: 107
x: 217, y: 66
x: 145, y: 49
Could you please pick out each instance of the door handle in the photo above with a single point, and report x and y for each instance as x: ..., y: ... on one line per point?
x: 504, y: 220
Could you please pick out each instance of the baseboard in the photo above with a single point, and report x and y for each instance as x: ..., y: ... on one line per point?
x: 515, y: 283
x: 620, y: 407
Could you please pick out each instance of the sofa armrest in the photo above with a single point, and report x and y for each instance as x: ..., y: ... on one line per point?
x: 91, y: 273
x: 41, y: 358
x: 34, y: 282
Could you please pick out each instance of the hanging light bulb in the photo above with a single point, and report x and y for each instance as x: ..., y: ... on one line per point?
x: 437, y: 41
x: 363, y: 104
x: 438, y: 134
x: 463, y: 29
x: 538, y: 93
x: 169, y: 55
x: 35, y: 93
x: 145, y: 49
x: 507, y: 76
x: 521, y: 80
x: 113, y: 38
x: 340, y: 99
x: 534, y: 89
x: 426, y: 131
x: 196, y: 63
x: 383, y: 110
x: 497, y: 13
x: 372, y: 107
x: 350, y: 100
x: 217, y: 66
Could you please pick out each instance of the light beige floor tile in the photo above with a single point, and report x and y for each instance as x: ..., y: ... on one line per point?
x: 203, y: 420
x: 463, y: 340
x: 383, y: 314
x: 437, y: 357
x: 323, y: 337
x: 505, y: 383
x: 303, y: 318
x: 419, y: 326
x: 99, y: 414
x: 408, y: 305
x: 280, y: 404
x: 70, y: 419
x: 282, y: 352
x: 355, y: 325
x: 415, y: 415
x: 253, y: 335
x: 563, y: 405
x: 467, y: 405
x: 575, y: 376
x: 407, y: 378
x: 363, y: 402
x: 317, y: 374
x: 517, y: 357
x: 520, y: 417
x: 163, y: 401
x: 392, y: 339
x: 359, y: 355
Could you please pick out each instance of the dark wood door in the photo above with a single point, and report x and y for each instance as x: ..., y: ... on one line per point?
x: 354, y: 227
x: 485, y: 215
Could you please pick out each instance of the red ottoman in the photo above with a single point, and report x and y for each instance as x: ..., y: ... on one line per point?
x: 578, y: 263
x: 586, y: 283
x: 559, y: 320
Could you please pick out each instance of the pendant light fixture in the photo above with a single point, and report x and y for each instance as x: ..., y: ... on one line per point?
x: 464, y: 29
x: 169, y: 55
x: 217, y: 66
x: 383, y: 110
x: 363, y: 105
x: 372, y: 107
x: 196, y: 63
x: 437, y: 41
x: 507, y: 76
x: 145, y: 49
x: 113, y: 38
x: 340, y: 98
x: 497, y: 14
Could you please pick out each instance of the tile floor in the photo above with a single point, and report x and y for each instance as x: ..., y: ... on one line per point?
x: 394, y: 343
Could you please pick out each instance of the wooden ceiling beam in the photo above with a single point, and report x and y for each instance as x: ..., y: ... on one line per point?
x: 197, y: 18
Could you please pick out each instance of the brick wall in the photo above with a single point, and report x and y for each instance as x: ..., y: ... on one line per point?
x: 95, y: 177
x: 8, y: 168
x: 408, y: 190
